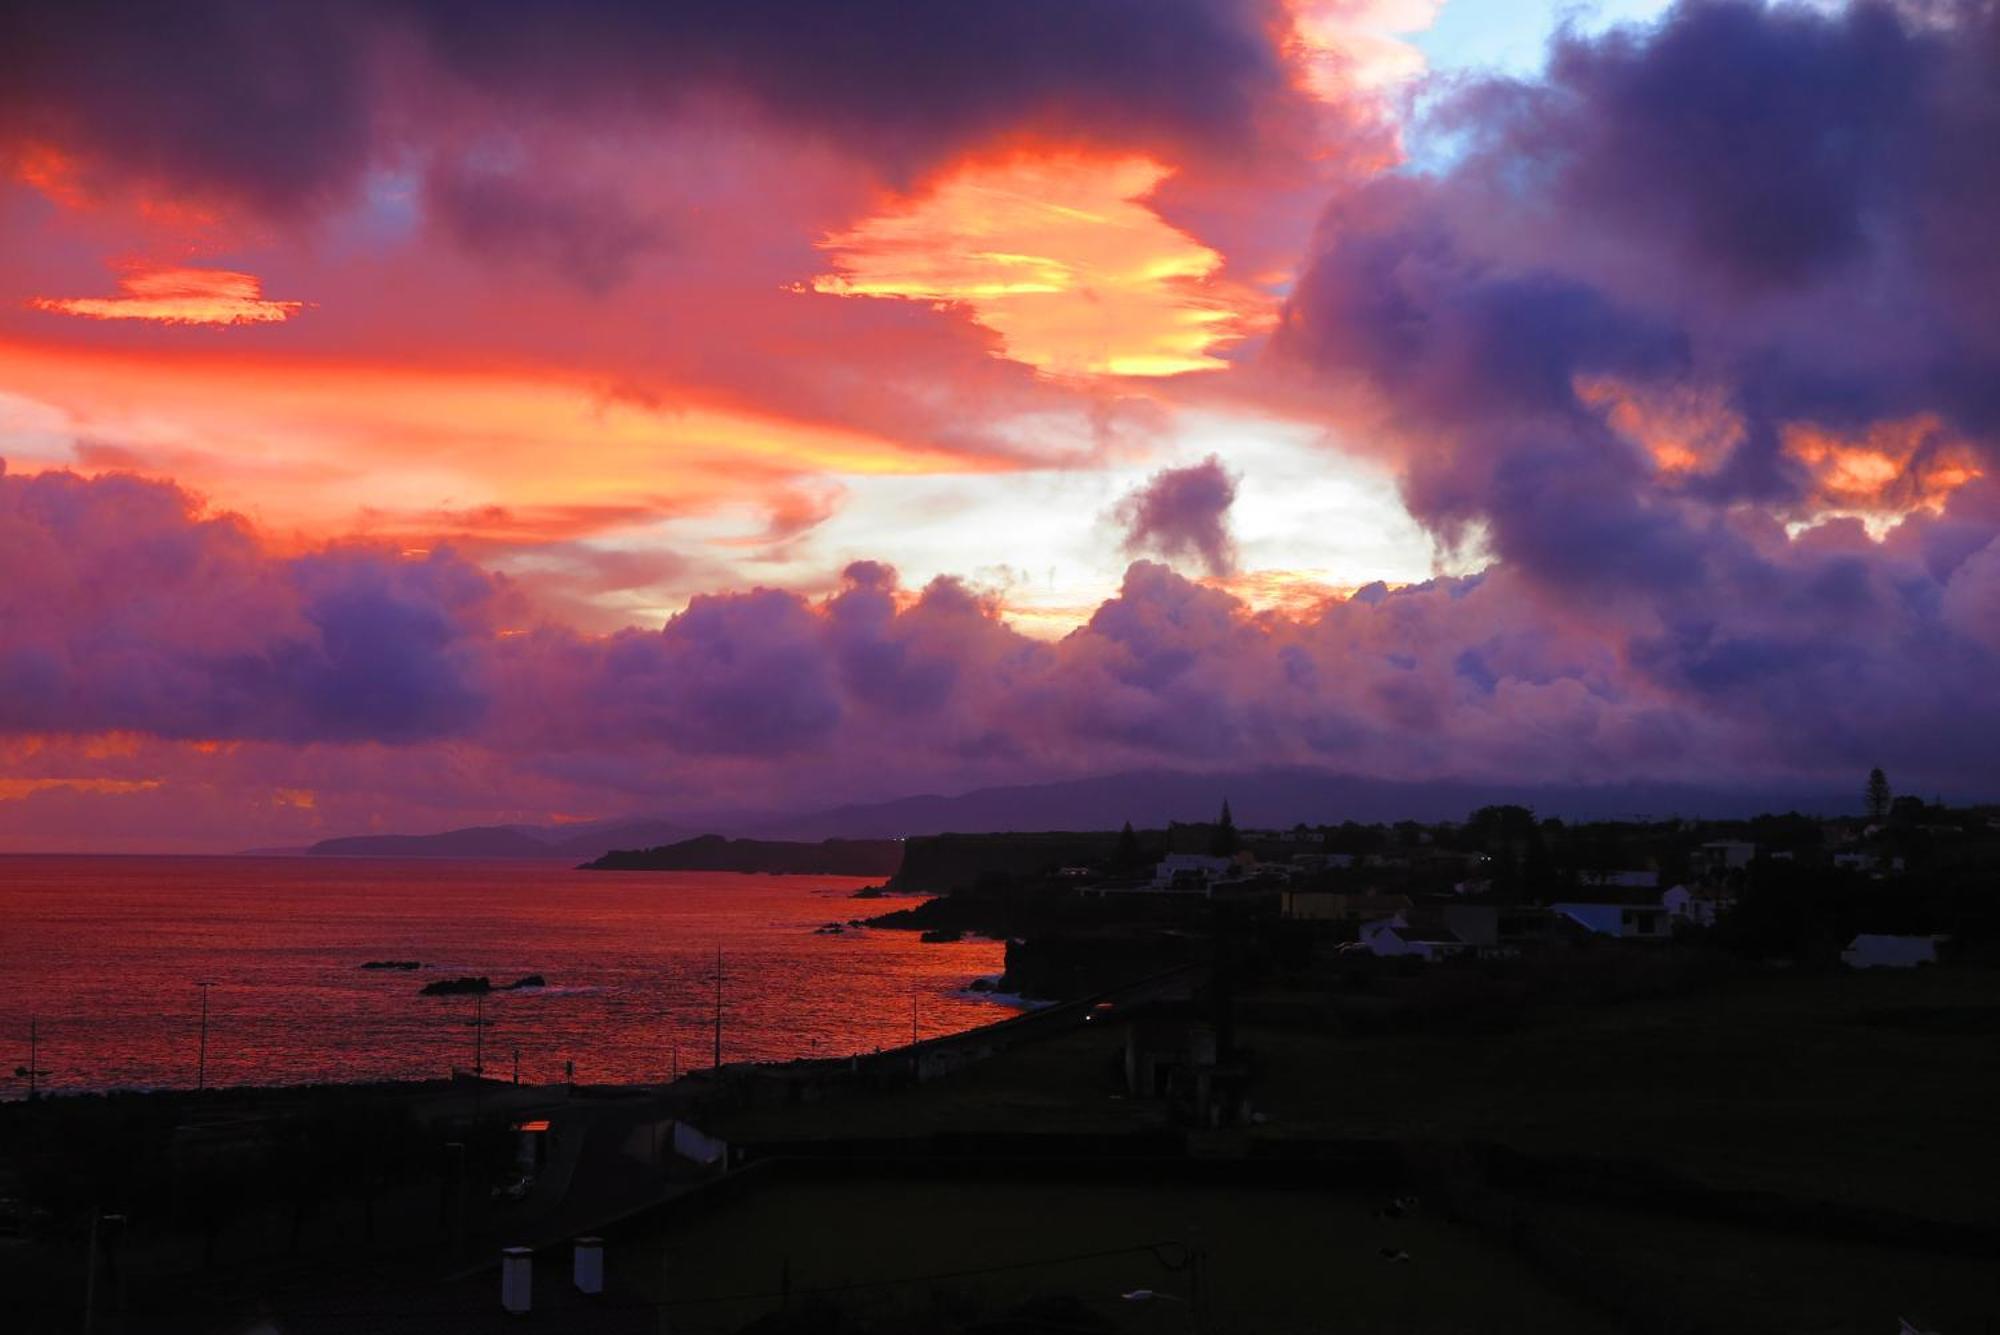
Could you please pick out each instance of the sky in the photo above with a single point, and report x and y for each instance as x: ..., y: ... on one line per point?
x: 420, y: 414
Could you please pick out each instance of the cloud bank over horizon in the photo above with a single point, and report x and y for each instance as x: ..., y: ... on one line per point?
x: 520, y: 497
x: 302, y: 690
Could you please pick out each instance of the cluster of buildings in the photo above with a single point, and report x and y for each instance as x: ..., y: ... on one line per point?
x: 1458, y: 914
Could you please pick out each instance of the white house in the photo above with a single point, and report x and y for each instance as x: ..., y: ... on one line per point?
x: 1427, y: 940
x: 1700, y: 904
x: 1194, y: 870
x: 1878, y: 951
x: 1629, y: 915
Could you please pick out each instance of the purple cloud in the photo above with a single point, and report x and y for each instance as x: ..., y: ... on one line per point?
x: 353, y: 671
x: 1183, y: 513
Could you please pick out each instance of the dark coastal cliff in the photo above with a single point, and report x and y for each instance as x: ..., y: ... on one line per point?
x: 712, y: 852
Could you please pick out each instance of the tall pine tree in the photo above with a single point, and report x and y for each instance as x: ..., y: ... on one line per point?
x: 1128, y: 858
x: 1225, y: 842
x: 1879, y: 795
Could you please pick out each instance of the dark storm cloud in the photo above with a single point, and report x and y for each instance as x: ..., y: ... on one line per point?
x: 269, y: 103
x: 282, y: 105
x: 1767, y: 201
x: 1760, y: 213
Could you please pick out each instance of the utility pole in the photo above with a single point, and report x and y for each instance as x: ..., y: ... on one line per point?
x: 718, y: 1008
x: 517, y: 1066
x: 478, y: 1023
x: 33, y: 1070
x: 201, y: 1055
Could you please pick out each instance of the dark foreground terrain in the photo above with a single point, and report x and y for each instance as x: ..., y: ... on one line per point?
x: 1694, y: 1150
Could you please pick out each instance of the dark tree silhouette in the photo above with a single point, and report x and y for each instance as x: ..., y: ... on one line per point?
x: 1878, y: 793
x: 1127, y: 858
x: 1225, y: 841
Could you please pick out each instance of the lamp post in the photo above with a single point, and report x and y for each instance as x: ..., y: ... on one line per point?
x: 201, y: 1053
x: 90, y: 1269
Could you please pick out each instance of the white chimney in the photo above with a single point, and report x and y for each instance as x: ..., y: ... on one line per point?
x: 590, y: 1265
x: 517, y: 1279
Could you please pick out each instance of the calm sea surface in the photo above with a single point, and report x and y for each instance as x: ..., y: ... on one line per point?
x: 105, y: 954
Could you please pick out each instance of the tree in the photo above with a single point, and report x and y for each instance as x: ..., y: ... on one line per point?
x: 1878, y: 794
x: 1128, y: 857
x: 1225, y: 841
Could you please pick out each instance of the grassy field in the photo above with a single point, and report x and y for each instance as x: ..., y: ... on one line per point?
x: 1278, y: 1262
x: 1065, y: 1084
x: 1727, y: 1279
x: 1874, y: 1089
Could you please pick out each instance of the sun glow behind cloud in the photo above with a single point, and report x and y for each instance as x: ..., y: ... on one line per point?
x: 326, y: 448
x: 1061, y: 257
x: 180, y: 296
x: 1349, y: 44
x: 1883, y: 474
x: 1879, y: 475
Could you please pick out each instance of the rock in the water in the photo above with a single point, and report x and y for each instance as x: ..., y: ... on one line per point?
x: 451, y: 987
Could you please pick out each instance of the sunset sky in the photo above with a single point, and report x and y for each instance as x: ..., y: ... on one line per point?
x: 419, y: 413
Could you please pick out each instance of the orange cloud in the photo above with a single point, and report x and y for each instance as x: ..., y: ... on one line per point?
x: 180, y: 296
x: 1682, y: 429
x: 1295, y: 594
x: 54, y: 173
x: 1062, y: 257
x: 1882, y: 474
x: 326, y: 448
x: 12, y: 790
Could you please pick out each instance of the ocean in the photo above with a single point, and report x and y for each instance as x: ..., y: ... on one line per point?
x: 105, y: 955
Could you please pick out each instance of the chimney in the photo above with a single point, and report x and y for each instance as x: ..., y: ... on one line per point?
x: 590, y: 1265
x: 517, y: 1279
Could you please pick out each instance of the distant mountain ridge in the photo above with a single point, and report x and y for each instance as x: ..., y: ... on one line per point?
x: 1276, y: 797
x: 561, y: 843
